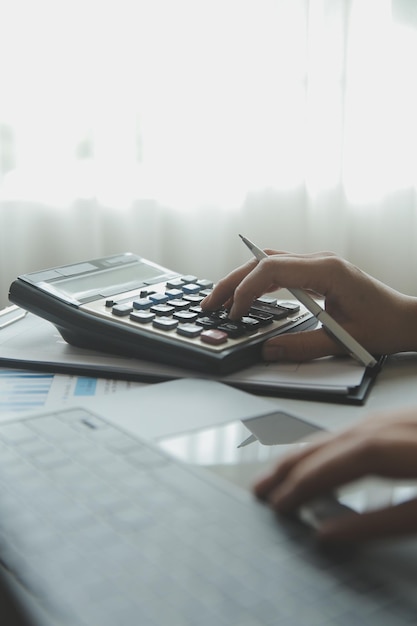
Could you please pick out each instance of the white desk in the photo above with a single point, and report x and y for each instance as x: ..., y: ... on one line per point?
x: 216, y: 448
x: 395, y: 387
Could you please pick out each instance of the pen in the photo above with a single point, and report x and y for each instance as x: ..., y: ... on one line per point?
x: 330, y: 325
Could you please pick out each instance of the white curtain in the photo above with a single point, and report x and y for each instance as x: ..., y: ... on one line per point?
x: 166, y: 127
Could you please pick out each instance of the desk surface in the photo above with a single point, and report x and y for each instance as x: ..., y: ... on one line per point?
x: 217, y: 447
x: 395, y: 387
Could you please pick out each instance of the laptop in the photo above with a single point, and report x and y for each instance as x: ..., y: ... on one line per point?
x: 99, y: 527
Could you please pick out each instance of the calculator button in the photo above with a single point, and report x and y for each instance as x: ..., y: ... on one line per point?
x: 191, y: 288
x: 232, y: 330
x: 197, y: 309
x: 221, y: 315
x: 189, y: 330
x: 185, y: 316
x: 193, y: 298
x: 205, y: 284
x: 142, y: 304
x: 174, y: 294
x: 122, y: 309
x: 188, y: 278
x: 205, y: 292
x: 159, y: 298
x: 266, y: 300
x: 162, y: 309
x: 143, y: 317
x: 276, y: 311
x: 207, y: 322
x: 213, y: 336
x: 175, y: 283
x: 250, y: 324
x: 165, y: 323
x: 179, y: 305
x: 263, y: 318
x: 292, y: 307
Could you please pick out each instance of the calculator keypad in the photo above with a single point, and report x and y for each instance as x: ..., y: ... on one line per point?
x: 173, y: 308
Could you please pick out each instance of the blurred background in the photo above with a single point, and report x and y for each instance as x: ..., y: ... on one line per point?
x: 166, y: 127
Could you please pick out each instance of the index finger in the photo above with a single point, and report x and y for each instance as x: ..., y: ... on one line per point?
x: 327, y: 467
x: 225, y: 288
x: 313, y: 272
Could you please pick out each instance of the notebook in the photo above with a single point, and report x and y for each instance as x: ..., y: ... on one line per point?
x: 98, y: 527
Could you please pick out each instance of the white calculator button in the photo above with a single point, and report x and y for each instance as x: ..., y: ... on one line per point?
x: 189, y: 278
x: 185, y: 316
x: 165, y: 323
x: 197, y: 309
x: 193, y: 298
x: 143, y: 317
x: 205, y: 284
x: 122, y: 309
x: 175, y: 283
x: 189, y: 330
x: 162, y: 309
x: 179, y: 305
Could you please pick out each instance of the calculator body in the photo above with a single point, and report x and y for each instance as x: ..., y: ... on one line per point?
x: 127, y: 305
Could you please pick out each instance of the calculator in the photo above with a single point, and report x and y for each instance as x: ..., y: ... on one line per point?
x: 127, y: 305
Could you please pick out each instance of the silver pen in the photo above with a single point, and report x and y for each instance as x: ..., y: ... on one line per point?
x: 330, y: 325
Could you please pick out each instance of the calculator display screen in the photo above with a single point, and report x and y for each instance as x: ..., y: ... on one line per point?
x: 79, y: 286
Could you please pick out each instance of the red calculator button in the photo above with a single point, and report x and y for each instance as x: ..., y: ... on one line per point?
x: 214, y: 337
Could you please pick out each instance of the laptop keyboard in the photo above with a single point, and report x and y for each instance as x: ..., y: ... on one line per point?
x: 103, y: 528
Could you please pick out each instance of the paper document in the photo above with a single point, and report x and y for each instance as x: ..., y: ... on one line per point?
x: 330, y: 373
x: 23, y: 390
x: 34, y: 343
x: 179, y: 406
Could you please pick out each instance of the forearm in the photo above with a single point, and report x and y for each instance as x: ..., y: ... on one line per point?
x: 406, y: 325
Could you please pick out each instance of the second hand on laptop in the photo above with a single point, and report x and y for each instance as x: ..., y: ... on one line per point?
x: 330, y: 325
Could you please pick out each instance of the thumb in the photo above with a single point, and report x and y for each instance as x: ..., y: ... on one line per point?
x: 301, y: 346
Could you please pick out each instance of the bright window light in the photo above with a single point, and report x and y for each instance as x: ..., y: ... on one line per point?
x: 191, y: 102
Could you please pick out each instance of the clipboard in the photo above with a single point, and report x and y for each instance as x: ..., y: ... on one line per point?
x: 31, y: 343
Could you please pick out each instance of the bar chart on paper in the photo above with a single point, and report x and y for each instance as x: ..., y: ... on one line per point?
x: 21, y: 391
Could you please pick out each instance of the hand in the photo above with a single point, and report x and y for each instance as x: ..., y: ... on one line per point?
x: 382, y: 445
x: 380, y: 318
